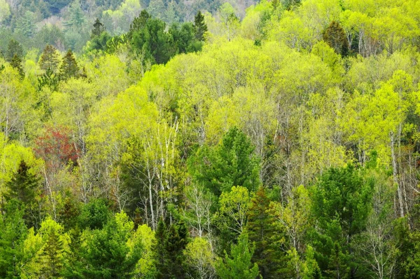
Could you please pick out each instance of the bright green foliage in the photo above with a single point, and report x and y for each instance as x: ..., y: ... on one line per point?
x: 231, y: 163
x: 51, y: 258
x: 200, y: 258
x: 231, y: 219
x: 13, y: 232
x: 238, y: 265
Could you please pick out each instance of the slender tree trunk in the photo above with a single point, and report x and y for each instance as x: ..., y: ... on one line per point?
x: 395, y: 178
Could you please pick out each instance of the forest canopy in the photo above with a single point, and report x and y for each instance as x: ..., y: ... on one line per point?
x: 175, y: 139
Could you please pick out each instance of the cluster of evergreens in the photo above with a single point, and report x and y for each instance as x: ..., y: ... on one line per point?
x: 66, y: 23
x: 282, y: 145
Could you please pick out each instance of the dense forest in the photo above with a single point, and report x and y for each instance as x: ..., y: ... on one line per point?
x: 192, y: 139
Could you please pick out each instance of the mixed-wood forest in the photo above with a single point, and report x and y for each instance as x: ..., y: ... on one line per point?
x: 210, y: 139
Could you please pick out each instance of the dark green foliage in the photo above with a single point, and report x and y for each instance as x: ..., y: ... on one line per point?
x: 23, y: 186
x: 341, y: 204
x: 169, y: 247
x: 200, y: 26
x: 238, y: 265
x: 68, y: 215
x: 69, y: 67
x: 12, y: 235
x: 336, y: 38
x: 98, y: 29
x: 94, y: 215
x: 100, y: 42
x: 262, y: 233
x: 107, y: 254
x: 49, y: 59
x: 150, y: 40
x: 16, y: 63
x: 13, y: 49
x: 231, y: 163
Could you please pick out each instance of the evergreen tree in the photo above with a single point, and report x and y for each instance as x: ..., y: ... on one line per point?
x: 336, y: 38
x: 49, y: 59
x: 12, y: 236
x: 23, y: 185
x: 74, y: 261
x: 98, y: 29
x: 107, y: 255
x: 200, y: 26
x: 341, y: 204
x: 52, y: 256
x: 13, y: 48
x: 238, y: 264
x: 49, y: 79
x: 69, y: 67
x: 16, y: 63
x: 231, y: 163
x: 261, y: 232
x: 169, y: 249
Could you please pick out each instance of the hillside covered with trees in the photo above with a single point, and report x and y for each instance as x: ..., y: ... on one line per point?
x: 191, y: 139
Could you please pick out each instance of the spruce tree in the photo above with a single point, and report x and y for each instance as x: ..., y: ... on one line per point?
x: 22, y: 186
x: 49, y: 59
x: 200, y: 26
x: 13, y: 232
x: 16, y: 63
x: 52, y: 256
x: 98, y: 29
x: 170, y: 245
x: 69, y: 67
x: 231, y: 163
x: 261, y: 232
x: 13, y: 48
x: 336, y: 38
x: 238, y: 264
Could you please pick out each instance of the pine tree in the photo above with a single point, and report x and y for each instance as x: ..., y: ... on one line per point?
x: 199, y: 26
x: 17, y: 64
x: 261, y: 232
x: 13, y: 48
x: 336, y: 38
x: 23, y: 185
x: 12, y: 236
x: 107, y: 254
x: 49, y: 59
x: 169, y: 248
x: 238, y: 264
x: 52, y: 256
x: 231, y: 163
x: 98, y: 29
x: 69, y: 67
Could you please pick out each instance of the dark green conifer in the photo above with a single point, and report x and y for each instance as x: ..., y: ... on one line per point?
x: 199, y: 26
x: 69, y: 67
x: 16, y: 63
x: 336, y: 38
x: 49, y: 59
